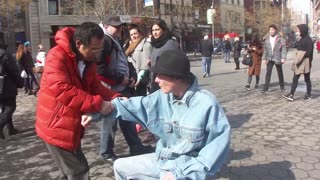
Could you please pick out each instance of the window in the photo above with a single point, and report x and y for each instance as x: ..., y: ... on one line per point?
x: 238, y: 2
x: 53, y: 7
x: 66, y: 7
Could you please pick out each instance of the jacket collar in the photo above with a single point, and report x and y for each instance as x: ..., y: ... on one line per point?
x: 188, y: 95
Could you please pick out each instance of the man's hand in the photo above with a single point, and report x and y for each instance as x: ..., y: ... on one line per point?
x: 125, y: 80
x: 85, y: 120
x: 106, y: 107
x: 168, y: 176
x: 264, y: 61
x: 283, y: 61
x: 131, y: 82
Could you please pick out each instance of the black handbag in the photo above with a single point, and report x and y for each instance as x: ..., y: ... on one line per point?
x: 247, y: 60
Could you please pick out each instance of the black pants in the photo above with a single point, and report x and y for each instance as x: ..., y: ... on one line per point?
x: 295, y: 83
x: 236, y: 61
x: 72, y: 165
x: 8, y: 106
x: 269, y: 72
x: 128, y: 130
x: 250, y: 79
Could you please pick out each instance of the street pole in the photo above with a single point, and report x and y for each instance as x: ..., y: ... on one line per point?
x: 282, y: 17
x: 213, y: 11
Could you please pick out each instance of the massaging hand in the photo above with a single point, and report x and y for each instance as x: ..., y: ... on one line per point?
x: 106, y: 107
x: 168, y: 176
x: 85, y: 120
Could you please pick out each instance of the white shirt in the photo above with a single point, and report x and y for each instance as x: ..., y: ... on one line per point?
x: 81, y: 67
x: 272, y: 41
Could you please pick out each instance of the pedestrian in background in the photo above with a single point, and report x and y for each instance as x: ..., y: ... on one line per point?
x: 10, y: 80
x: 303, y: 63
x: 69, y: 88
x: 256, y: 51
x: 236, y: 52
x: 206, y: 52
x: 274, y: 53
x: 193, y: 128
x: 226, y: 48
x: 39, y: 65
x: 161, y: 41
x: 138, y: 53
x: 117, y: 73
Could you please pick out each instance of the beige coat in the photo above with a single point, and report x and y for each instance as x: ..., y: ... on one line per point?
x: 300, y: 64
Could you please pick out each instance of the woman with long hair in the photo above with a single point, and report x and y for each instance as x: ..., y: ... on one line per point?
x: 21, y: 58
x: 256, y: 51
x: 161, y: 41
x: 138, y: 53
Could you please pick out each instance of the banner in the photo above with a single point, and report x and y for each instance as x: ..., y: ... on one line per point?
x: 148, y: 3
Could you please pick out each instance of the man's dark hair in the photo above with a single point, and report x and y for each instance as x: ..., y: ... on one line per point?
x: 86, y: 31
x: 273, y: 26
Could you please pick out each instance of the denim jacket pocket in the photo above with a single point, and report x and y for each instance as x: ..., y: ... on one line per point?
x: 192, y: 134
x: 167, y: 127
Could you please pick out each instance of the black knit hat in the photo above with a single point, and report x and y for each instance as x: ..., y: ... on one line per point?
x: 113, y: 20
x: 172, y: 63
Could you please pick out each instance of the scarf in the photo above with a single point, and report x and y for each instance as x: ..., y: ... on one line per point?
x: 157, y: 43
x: 132, y: 47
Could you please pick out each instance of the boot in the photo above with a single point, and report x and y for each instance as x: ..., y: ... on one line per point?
x: 30, y: 92
x: 11, y: 129
x: 1, y: 134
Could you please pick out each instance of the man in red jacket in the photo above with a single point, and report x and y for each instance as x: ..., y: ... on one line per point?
x: 69, y: 89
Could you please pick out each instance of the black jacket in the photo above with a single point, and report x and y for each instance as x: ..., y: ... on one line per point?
x: 305, y: 43
x: 11, y: 73
x: 206, y: 48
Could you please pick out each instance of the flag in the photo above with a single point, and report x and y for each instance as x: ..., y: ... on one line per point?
x: 148, y: 3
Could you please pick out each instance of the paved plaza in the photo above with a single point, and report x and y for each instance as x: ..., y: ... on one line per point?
x: 272, y: 139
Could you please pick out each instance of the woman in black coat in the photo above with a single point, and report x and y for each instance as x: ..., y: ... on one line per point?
x: 236, y: 52
x: 11, y: 81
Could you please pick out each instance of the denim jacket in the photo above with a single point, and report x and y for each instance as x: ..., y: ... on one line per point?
x: 194, y: 132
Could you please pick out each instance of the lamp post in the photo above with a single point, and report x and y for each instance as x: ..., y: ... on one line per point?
x: 213, y: 11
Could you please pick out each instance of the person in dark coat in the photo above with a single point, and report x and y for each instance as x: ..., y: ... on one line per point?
x: 236, y: 52
x: 305, y: 44
x: 256, y: 51
x: 206, y: 52
x: 10, y: 75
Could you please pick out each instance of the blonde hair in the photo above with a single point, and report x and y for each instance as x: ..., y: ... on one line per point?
x: 19, y: 52
x: 236, y: 38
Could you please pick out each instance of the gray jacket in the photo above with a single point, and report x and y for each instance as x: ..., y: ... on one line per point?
x: 279, y: 51
x: 141, y: 55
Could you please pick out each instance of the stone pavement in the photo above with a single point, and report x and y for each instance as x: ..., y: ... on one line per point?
x: 271, y: 137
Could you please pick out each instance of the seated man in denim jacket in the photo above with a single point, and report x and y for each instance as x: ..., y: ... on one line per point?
x: 193, y: 129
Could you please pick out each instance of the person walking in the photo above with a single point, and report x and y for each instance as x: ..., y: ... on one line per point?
x: 226, y: 48
x: 303, y: 64
x: 256, y: 51
x: 236, y: 52
x: 188, y: 148
x: 39, y: 65
x: 69, y: 88
x: 10, y: 80
x: 161, y: 40
x: 116, y: 73
x: 206, y: 52
x: 274, y: 53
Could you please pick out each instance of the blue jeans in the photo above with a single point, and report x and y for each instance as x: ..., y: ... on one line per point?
x: 142, y: 167
x: 226, y: 56
x: 206, y: 65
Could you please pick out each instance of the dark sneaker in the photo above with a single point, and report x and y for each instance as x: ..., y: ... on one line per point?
x: 282, y: 89
x: 138, y: 150
x: 256, y: 86
x: 13, y: 131
x: 2, y: 135
x: 247, y: 87
x: 108, y: 157
x: 288, y: 97
x: 264, y: 91
x: 204, y: 75
x: 306, y: 97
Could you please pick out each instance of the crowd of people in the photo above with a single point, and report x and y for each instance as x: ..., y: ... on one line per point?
x: 90, y: 76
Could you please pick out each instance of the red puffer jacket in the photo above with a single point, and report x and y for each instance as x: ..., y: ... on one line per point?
x: 64, y: 96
